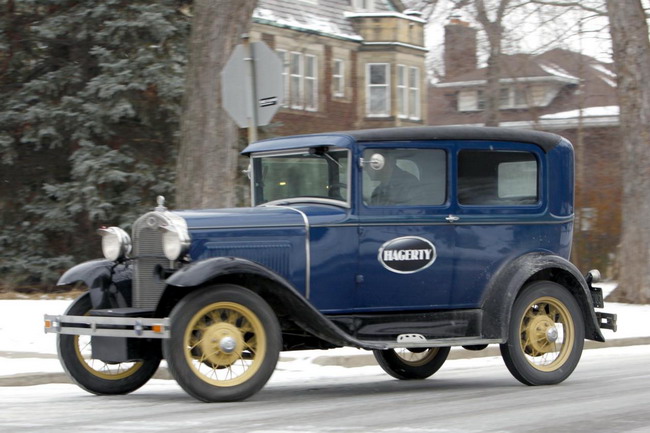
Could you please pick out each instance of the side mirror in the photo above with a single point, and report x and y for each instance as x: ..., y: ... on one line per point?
x: 249, y: 171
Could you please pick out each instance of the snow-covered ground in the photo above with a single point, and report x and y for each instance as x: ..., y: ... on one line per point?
x: 25, y: 348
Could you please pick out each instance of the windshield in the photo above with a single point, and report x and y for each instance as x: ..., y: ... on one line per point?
x: 315, y: 174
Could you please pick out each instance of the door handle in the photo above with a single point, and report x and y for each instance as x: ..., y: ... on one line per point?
x: 452, y: 218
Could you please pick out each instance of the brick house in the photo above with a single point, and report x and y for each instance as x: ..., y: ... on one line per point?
x: 560, y: 91
x: 348, y: 64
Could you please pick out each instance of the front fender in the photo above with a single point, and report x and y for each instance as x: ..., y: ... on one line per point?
x: 277, y: 291
x: 108, y: 282
x: 507, y: 283
x: 92, y: 273
x: 201, y: 272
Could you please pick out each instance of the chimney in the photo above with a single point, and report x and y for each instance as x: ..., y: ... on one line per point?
x: 460, y: 48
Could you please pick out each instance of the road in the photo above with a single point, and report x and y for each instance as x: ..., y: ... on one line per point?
x: 609, y: 391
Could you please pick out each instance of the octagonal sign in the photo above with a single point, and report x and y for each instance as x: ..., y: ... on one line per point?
x: 237, y: 91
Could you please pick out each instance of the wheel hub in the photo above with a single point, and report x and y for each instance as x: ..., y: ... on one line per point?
x: 227, y: 344
x: 542, y: 333
x: 222, y: 344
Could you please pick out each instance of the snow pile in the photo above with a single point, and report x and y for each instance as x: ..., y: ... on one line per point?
x: 610, y: 110
x: 25, y: 348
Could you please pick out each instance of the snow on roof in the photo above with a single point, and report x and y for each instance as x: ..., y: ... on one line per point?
x: 555, y: 70
x: 305, y: 21
x: 604, y: 73
x: 411, y: 17
x: 610, y: 110
x: 328, y: 18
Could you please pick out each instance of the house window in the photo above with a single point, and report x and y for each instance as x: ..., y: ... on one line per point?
x: 402, y: 92
x: 521, y: 97
x: 414, y: 93
x: 282, y: 54
x: 295, y: 81
x: 338, y: 78
x: 513, y: 97
x: 480, y: 100
x: 311, y: 83
x: 408, y: 92
x: 364, y: 5
x: 378, y: 89
x: 504, y: 98
x: 300, y: 80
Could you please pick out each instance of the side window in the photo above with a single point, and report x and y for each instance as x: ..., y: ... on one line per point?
x: 501, y: 178
x: 407, y: 177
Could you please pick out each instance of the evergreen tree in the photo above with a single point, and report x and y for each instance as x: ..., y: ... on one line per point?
x: 90, y: 96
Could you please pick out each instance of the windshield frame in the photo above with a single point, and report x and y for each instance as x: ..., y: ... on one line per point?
x: 345, y: 203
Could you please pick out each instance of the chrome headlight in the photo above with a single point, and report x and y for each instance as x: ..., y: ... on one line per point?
x: 116, y: 243
x: 175, y: 241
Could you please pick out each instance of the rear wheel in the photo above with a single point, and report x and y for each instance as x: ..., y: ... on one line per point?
x: 95, y: 375
x: 408, y: 364
x: 546, y: 335
x: 224, y: 345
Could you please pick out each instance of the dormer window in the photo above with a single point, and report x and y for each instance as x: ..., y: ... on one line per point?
x: 509, y: 98
x: 364, y: 5
x: 513, y: 97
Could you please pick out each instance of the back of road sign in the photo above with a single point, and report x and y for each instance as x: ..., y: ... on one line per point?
x: 237, y: 92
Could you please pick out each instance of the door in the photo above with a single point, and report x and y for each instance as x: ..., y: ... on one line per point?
x: 405, y: 240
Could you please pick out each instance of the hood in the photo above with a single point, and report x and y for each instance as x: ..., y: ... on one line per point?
x: 263, y: 216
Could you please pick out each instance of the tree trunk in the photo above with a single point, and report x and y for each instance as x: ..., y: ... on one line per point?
x: 207, y: 168
x: 631, y: 50
x: 494, y: 31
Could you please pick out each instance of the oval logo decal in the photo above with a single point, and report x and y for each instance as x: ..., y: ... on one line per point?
x: 407, y: 255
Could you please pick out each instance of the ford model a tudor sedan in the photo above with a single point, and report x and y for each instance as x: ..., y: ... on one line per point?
x: 401, y: 241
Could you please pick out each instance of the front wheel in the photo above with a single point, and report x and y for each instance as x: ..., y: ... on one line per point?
x: 224, y: 345
x: 406, y: 364
x: 95, y: 375
x: 546, y: 335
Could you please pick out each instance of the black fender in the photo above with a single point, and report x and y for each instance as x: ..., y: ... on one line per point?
x: 506, y: 284
x: 275, y: 289
x: 108, y: 282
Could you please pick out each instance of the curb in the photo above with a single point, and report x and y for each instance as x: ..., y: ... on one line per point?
x: 350, y: 361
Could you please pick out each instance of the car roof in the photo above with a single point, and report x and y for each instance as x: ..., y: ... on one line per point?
x: 346, y: 139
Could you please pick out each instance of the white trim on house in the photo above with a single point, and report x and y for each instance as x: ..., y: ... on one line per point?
x: 474, y: 83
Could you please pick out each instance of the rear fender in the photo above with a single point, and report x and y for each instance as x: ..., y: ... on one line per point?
x: 507, y: 283
x: 108, y: 282
x: 277, y: 291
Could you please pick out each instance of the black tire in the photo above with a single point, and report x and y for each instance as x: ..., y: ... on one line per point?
x: 224, y: 345
x: 407, y: 364
x: 94, y: 375
x: 545, y: 336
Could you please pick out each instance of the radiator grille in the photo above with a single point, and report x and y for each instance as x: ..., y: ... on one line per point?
x: 150, y: 259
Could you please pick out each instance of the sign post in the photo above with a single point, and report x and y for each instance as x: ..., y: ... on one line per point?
x: 251, y: 85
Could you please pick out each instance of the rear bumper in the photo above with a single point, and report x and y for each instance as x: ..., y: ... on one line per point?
x: 607, y: 320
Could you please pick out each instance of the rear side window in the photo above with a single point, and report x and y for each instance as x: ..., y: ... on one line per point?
x: 497, y: 178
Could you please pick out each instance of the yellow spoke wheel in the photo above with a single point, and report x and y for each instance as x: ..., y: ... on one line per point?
x: 546, y: 334
x: 224, y: 345
x: 406, y: 364
x: 95, y: 375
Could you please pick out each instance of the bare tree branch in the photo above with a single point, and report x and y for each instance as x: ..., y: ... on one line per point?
x: 576, y: 4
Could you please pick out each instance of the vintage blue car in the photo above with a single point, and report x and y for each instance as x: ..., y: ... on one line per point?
x: 403, y: 241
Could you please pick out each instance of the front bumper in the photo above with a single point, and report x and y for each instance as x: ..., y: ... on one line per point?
x: 108, y: 323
